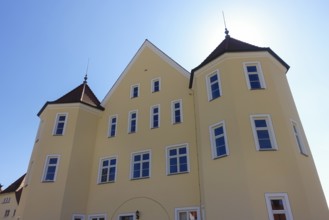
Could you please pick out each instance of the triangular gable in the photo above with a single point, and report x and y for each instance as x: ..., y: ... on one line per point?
x: 165, y: 57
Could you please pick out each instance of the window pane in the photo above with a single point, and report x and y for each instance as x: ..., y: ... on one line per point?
x: 279, y: 217
x: 182, y: 150
x: 277, y: 204
x: 183, y: 216
x: 251, y: 69
x: 172, y: 152
x: 146, y: 156
x: 260, y: 123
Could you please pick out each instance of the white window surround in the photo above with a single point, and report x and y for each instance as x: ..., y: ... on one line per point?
x: 130, y: 121
x: 132, y: 91
x: 213, y: 139
x: 173, y: 111
x: 299, y: 138
x: 58, y: 122
x: 208, y: 85
x: 132, y: 164
x: 152, y: 84
x: 130, y: 214
x: 110, y: 127
x: 188, y: 210
x: 270, y: 130
x: 168, y: 158
x: 100, y: 167
x: 46, y: 166
x: 78, y: 217
x: 97, y: 217
x: 153, y: 114
x: 286, y: 205
x: 259, y: 73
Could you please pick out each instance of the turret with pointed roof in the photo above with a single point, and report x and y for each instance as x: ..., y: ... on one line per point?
x: 81, y: 94
x: 231, y: 45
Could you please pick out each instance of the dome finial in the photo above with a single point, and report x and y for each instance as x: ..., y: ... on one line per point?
x: 226, y: 31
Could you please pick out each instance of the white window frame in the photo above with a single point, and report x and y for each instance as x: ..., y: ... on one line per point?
x: 152, y: 114
x: 109, y: 133
x: 284, y: 198
x: 259, y: 73
x: 132, y: 88
x: 100, y: 168
x: 80, y: 216
x: 270, y: 130
x: 133, y: 214
x: 130, y: 119
x: 298, y: 138
x: 187, y: 209
x: 57, y: 122
x: 168, y: 148
x: 132, y: 163
x: 173, y: 111
x: 47, y: 165
x: 213, y: 139
x: 208, y: 84
x: 153, y: 86
x: 97, y: 216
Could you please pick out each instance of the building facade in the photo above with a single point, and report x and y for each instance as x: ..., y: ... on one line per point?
x: 223, y: 141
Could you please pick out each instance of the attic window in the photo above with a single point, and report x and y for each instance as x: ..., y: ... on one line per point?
x: 134, y: 91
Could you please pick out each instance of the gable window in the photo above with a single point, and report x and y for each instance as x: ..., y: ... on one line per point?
x: 176, y: 111
x: 213, y: 86
x: 298, y: 138
x: 140, y: 165
x: 192, y: 213
x: 155, y: 85
x: 132, y: 127
x: 60, y: 122
x: 218, y: 140
x: 6, y: 200
x: 278, y: 206
x: 50, y: 169
x: 112, y: 126
x: 263, y: 132
x: 134, y: 91
x: 177, y: 159
x: 254, y: 75
x: 97, y: 217
x: 107, y: 170
x: 155, y: 116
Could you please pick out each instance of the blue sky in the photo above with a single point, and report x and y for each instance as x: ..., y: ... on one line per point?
x: 45, y: 47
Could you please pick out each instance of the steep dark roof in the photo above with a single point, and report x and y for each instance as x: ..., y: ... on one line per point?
x: 81, y: 94
x: 14, y: 186
x: 231, y: 45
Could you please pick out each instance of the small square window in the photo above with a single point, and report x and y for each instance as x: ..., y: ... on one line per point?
x: 155, y: 85
x: 254, y: 75
x: 134, y: 91
x: 60, y: 123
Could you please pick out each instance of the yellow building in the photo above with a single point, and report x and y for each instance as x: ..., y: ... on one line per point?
x: 222, y: 142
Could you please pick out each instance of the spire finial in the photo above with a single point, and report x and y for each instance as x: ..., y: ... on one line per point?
x: 226, y: 31
x: 86, y: 75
